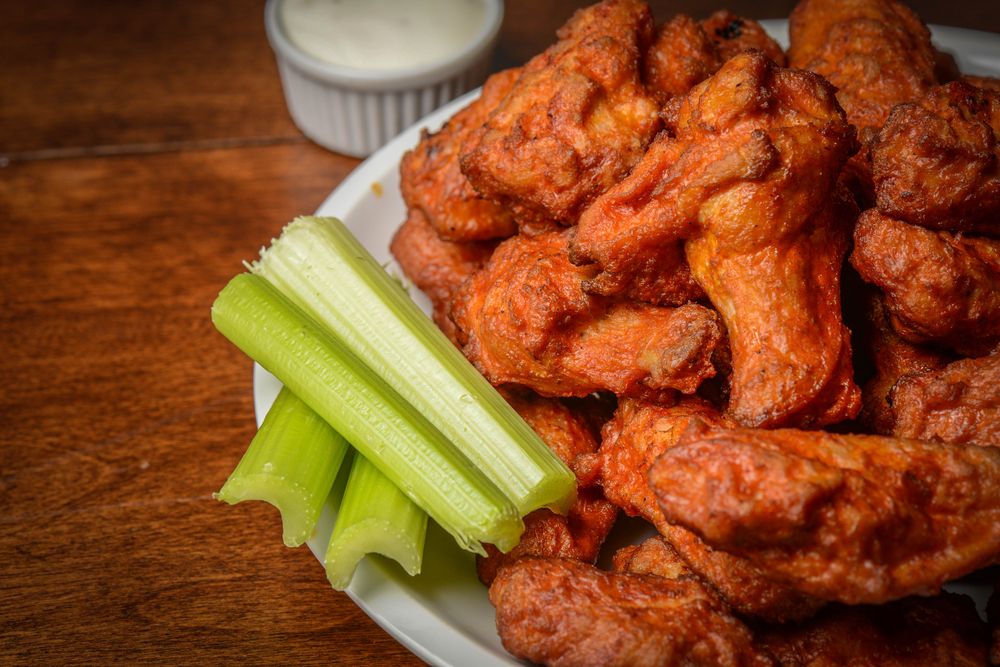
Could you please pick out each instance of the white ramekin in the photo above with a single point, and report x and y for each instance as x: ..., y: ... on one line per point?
x: 354, y: 111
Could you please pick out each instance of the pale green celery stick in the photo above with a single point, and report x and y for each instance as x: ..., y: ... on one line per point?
x: 291, y: 463
x: 374, y: 517
x: 409, y: 450
x: 319, y: 264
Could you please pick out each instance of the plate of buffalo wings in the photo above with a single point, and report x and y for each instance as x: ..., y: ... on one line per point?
x: 744, y: 279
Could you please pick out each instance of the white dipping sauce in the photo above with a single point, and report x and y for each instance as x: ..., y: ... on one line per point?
x: 381, y: 34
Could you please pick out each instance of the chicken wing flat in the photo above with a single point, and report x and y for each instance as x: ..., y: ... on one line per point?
x: 526, y: 320
x: 638, y: 434
x: 575, y: 123
x: 941, y: 288
x: 850, y: 518
x: 892, y: 358
x: 564, y: 613
x: 431, y: 180
x: 749, y: 185
x: 941, y: 631
x: 435, y: 266
x: 877, y: 53
x: 936, y: 162
x: 959, y: 403
x: 581, y: 532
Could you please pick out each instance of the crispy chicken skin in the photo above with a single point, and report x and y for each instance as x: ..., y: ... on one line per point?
x: 850, y: 518
x: 877, y: 53
x: 936, y: 162
x: 749, y: 185
x: 581, y: 532
x: 685, y: 52
x: 526, y: 320
x: 942, y: 631
x: 431, y: 180
x: 681, y: 56
x: 959, y: 403
x: 654, y: 556
x: 732, y: 35
x: 892, y: 358
x: 638, y: 434
x: 575, y: 123
x: 437, y: 267
x: 563, y: 613
x: 941, y: 288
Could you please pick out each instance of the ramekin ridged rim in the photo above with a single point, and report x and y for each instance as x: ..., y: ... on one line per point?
x: 385, y: 80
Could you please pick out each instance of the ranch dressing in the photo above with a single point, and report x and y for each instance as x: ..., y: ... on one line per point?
x: 381, y: 34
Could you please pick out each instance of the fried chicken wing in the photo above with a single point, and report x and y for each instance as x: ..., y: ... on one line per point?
x: 575, y: 123
x: 681, y: 56
x: 437, y: 267
x: 528, y: 321
x: 431, y: 180
x: 563, y: 613
x: 892, y: 358
x: 749, y: 185
x: 959, y: 403
x: 732, y: 35
x: 638, y: 434
x: 877, y: 53
x: 685, y: 52
x: 941, y: 288
x: 984, y: 82
x: 936, y: 162
x: 581, y: 532
x: 850, y: 518
x: 941, y: 631
x: 654, y: 556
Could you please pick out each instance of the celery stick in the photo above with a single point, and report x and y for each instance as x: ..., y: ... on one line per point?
x: 291, y: 463
x: 319, y: 264
x: 405, y: 447
x: 374, y: 517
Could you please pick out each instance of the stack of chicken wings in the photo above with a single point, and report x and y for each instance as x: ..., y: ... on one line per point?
x: 751, y: 296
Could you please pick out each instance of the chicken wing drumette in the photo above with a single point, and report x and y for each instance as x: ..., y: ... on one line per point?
x: 936, y: 161
x: 749, y: 187
x: 526, y: 319
x: 432, y: 182
x: 850, y: 518
x: 575, y: 123
x: 941, y: 288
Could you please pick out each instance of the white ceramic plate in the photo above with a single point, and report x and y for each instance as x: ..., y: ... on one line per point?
x: 443, y: 615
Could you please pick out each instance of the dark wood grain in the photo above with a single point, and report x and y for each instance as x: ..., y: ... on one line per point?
x: 145, y: 152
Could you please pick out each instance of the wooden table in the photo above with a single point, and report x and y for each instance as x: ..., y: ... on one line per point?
x: 145, y: 151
